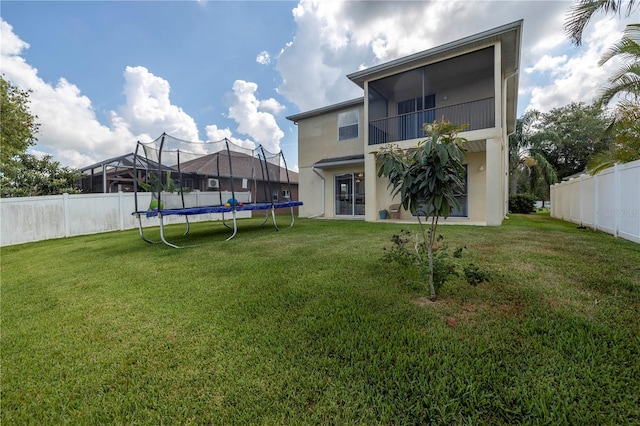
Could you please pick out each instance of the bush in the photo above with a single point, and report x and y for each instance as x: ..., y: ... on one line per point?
x: 407, y: 250
x: 522, y: 203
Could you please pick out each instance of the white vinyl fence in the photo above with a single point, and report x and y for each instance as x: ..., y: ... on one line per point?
x: 608, y: 201
x: 27, y: 219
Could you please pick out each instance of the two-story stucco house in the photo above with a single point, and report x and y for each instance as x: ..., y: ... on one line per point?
x: 470, y: 81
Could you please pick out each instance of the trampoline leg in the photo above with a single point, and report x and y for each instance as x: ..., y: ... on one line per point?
x: 235, y: 226
x: 273, y: 215
x: 266, y: 218
x: 188, y: 226
x: 162, y: 234
x: 292, y: 218
x: 142, y: 232
x: 224, y: 222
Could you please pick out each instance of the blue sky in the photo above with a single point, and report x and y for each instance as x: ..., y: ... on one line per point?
x: 105, y: 74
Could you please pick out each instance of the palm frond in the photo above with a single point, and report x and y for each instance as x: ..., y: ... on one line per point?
x: 579, y: 14
x: 626, y: 49
x: 626, y: 81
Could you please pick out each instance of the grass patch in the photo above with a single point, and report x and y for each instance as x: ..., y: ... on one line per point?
x: 309, y: 326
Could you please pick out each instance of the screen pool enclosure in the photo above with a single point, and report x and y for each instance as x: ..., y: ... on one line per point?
x: 220, y: 179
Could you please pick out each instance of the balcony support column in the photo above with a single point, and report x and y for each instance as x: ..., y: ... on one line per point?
x: 494, y: 182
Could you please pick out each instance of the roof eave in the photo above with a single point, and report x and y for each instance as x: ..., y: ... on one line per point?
x: 319, y: 111
x: 442, y: 51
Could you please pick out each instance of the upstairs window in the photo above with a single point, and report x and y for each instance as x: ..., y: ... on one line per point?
x: 348, y: 125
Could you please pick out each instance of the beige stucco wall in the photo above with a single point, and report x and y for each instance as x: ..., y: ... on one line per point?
x: 477, y: 192
x: 318, y: 140
x: 487, y: 166
x: 329, y: 186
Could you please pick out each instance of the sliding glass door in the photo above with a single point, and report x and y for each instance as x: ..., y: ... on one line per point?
x: 349, y: 194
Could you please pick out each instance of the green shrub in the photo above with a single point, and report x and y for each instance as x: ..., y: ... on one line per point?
x: 522, y: 203
x: 407, y: 250
x: 476, y: 275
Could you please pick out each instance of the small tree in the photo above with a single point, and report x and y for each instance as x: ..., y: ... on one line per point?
x: 426, y: 179
x: 19, y: 126
x: 23, y: 174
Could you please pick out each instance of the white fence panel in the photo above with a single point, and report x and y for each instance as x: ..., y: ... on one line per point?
x: 608, y: 201
x: 28, y: 219
x: 587, y: 201
x: 31, y: 219
x: 628, y: 209
x: 574, y: 200
x: 605, y: 184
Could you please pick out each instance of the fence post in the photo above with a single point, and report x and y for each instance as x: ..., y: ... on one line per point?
x: 121, y: 209
x: 580, y: 198
x: 616, y: 192
x: 67, y: 219
x: 596, y: 201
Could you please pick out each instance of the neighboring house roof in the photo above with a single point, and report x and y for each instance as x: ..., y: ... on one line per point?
x: 339, y: 161
x: 242, y: 166
x: 125, y: 161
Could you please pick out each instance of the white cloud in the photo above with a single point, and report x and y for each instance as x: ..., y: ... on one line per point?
x: 260, y: 126
x: 547, y: 63
x: 216, y: 134
x: 149, y: 109
x: 71, y: 132
x: 10, y: 44
x: 271, y: 105
x: 577, y: 78
x: 68, y: 122
x: 69, y: 128
x: 263, y: 58
x: 336, y: 38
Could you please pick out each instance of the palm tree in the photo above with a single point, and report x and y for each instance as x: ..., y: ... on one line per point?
x: 625, y: 129
x: 625, y: 126
x: 580, y: 13
x: 627, y: 78
x: 525, y: 155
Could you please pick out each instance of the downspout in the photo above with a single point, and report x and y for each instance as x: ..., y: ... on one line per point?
x: 504, y: 90
x: 323, y: 184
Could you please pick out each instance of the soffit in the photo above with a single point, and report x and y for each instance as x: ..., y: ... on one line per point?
x: 476, y: 146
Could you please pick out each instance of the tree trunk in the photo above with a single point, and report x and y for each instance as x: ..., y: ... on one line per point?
x: 432, y: 289
x: 513, y: 187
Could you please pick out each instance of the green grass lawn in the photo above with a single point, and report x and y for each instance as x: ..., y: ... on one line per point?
x: 310, y: 326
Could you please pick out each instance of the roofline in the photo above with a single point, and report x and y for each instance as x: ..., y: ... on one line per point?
x: 102, y: 163
x: 360, y: 76
x: 319, y: 111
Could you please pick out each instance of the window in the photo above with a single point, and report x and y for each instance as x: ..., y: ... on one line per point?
x: 285, y: 193
x: 348, y: 124
x: 412, y: 114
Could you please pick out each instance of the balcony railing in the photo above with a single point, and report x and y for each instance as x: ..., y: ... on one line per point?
x: 478, y: 114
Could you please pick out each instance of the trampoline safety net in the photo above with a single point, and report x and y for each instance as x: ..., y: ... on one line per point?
x: 188, y: 178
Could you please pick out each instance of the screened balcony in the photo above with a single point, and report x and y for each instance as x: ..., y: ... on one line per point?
x: 477, y: 114
x: 460, y: 89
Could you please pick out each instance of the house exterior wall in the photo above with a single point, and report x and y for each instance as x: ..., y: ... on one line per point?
x: 475, y: 73
x: 317, y: 140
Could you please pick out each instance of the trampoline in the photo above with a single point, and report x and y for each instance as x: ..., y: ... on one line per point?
x: 219, y: 178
